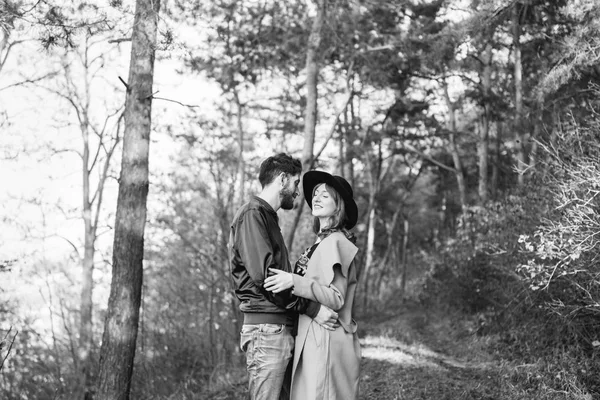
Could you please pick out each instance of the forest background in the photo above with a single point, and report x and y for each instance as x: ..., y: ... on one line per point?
x: 469, y: 129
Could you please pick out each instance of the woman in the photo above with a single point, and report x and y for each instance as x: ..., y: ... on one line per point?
x: 326, y: 362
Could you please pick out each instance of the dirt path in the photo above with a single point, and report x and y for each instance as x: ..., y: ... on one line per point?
x: 393, y: 370
x: 413, y: 356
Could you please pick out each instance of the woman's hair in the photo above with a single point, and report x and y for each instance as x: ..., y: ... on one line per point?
x: 338, y: 219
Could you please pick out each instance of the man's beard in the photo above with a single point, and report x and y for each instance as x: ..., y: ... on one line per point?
x: 287, y: 199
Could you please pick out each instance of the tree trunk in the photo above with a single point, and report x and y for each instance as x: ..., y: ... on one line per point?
x: 90, y: 201
x: 483, y: 150
x: 87, y: 264
x: 369, y: 251
x: 389, y: 256
x: 404, y: 256
x: 496, y: 159
x: 310, y: 117
x: 350, y: 133
x: 343, y: 146
x: 460, y: 175
x: 518, y: 77
x: 121, y: 325
x: 241, y: 170
x: 537, y: 128
x: 374, y: 174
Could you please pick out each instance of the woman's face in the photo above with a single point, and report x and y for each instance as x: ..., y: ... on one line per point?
x: 323, y: 203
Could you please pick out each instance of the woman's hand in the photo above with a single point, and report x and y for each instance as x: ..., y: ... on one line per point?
x: 279, y: 282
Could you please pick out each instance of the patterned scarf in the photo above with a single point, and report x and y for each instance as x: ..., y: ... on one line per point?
x: 349, y: 235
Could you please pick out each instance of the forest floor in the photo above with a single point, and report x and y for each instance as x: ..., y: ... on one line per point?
x: 411, y: 354
x: 415, y: 355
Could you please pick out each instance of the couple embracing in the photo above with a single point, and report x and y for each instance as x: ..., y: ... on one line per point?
x: 298, y: 333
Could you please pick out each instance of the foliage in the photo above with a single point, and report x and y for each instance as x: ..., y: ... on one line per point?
x: 474, y: 270
x: 531, y: 267
x: 579, y: 57
x: 564, y: 259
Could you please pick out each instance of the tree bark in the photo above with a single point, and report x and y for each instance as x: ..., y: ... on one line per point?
x: 121, y: 325
x: 404, y: 256
x: 86, y: 307
x: 350, y: 134
x: 496, y: 159
x: 483, y: 150
x: 369, y: 250
x: 460, y: 175
x: 374, y: 174
x: 241, y: 169
x: 537, y: 129
x: 518, y: 77
x: 389, y: 257
x: 310, y: 116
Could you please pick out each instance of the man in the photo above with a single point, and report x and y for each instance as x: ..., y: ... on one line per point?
x: 255, y: 245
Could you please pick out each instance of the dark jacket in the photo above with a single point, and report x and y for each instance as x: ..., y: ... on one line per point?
x: 255, y: 245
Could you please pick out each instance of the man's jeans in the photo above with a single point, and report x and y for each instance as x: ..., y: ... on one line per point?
x: 269, y: 349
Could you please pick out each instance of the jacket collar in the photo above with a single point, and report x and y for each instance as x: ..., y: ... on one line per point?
x: 262, y: 203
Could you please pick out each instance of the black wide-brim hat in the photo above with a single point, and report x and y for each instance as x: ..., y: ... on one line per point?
x: 313, y: 178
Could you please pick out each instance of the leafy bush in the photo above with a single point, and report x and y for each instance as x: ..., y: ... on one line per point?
x: 475, y: 269
x: 565, y: 261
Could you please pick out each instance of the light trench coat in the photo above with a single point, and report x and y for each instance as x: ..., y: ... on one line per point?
x: 326, y: 363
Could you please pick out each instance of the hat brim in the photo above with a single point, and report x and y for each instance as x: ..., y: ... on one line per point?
x: 313, y: 178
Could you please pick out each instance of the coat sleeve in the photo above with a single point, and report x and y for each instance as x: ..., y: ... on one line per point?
x: 331, y: 295
x: 328, y: 278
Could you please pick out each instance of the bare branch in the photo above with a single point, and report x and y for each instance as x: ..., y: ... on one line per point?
x: 10, y: 46
x: 9, y: 347
x: 104, y: 176
x: 333, y: 126
x: 124, y: 83
x: 120, y: 40
x: 175, y: 101
x: 428, y: 158
x: 30, y: 81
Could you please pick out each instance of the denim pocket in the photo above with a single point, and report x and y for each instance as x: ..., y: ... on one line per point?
x: 248, y: 329
x: 271, y: 329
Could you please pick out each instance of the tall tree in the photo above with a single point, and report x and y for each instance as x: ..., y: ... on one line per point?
x: 310, y: 114
x: 454, y: 150
x: 518, y: 82
x: 121, y: 325
x: 484, y: 133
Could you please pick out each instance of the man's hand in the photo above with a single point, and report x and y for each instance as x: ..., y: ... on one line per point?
x: 278, y: 282
x: 327, y: 318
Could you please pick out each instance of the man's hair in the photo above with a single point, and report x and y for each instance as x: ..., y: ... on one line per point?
x: 275, y: 165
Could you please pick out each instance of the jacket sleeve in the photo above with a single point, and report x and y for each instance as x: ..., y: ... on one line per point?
x: 254, y: 245
x: 307, y: 307
x: 255, y: 248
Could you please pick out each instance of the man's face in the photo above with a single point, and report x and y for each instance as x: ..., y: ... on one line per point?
x: 289, y: 191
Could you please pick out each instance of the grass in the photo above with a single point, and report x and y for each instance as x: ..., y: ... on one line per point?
x: 422, y: 355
